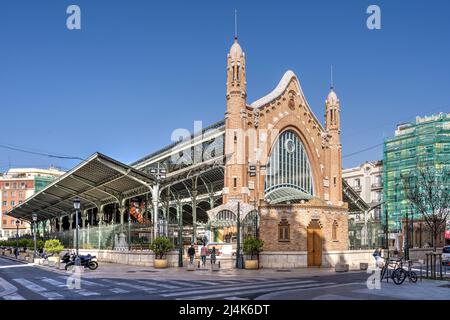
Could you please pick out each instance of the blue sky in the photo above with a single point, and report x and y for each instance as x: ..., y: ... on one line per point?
x: 137, y: 70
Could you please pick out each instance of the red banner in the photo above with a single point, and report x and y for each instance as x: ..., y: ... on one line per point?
x: 447, y: 234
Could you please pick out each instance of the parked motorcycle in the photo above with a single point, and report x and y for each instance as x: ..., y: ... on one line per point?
x: 86, y: 261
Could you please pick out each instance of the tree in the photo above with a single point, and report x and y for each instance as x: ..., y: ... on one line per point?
x: 253, y: 246
x: 427, y: 189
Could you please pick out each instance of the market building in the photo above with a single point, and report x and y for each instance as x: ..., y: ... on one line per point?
x: 270, y: 169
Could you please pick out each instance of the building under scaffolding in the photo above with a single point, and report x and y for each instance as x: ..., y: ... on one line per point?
x: 426, y: 142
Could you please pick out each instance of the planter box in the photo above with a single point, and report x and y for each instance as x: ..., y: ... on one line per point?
x: 363, y: 266
x: 341, y: 267
x: 160, y: 263
x: 251, y: 264
x: 54, y: 261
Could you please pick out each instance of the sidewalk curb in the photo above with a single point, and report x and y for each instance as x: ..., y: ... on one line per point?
x: 14, y: 259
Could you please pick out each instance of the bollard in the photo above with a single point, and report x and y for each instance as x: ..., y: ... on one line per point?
x: 199, y: 264
x: 219, y: 264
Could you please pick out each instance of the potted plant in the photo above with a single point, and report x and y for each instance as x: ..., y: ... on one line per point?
x: 160, y: 246
x: 53, y: 246
x: 252, y: 247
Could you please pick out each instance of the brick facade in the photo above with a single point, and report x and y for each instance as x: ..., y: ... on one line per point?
x: 251, y: 131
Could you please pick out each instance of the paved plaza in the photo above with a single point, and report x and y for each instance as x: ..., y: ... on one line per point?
x: 20, y: 281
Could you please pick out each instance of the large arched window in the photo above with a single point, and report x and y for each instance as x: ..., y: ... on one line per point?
x: 289, y: 176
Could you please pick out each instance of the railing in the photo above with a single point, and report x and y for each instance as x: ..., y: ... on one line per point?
x: 377, y: 185
x: 108, y: 237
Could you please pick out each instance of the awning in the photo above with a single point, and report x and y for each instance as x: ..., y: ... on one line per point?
x: 284, y: 194
x: 97, y: 181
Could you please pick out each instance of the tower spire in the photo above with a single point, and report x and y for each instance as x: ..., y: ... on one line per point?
x: 332, y: 82
x: 235, y: 25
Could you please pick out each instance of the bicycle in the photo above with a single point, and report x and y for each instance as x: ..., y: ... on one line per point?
x: 398, y: 275
x: 403, y: 274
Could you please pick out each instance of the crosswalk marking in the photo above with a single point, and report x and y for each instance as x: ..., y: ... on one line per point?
x: 158, y: 284
x: 248, y: 286
x: 129, y: 285
x: 253, y: 291
x: 13, y: 296
x: 54, y: 282
x: 86, y: 282
x: 59, y: 284
x: 119, y: 290
x: 38, y: 289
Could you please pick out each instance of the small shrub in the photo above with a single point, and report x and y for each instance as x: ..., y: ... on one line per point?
x: 53, y: 246
x: 253, y: 246
x: 160, y: 246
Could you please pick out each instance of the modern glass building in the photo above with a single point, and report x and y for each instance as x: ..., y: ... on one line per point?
x: 424, y: 142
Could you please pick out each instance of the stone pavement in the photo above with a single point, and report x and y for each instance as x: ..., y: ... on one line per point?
x: 114, y: 270
x: 422, y: 290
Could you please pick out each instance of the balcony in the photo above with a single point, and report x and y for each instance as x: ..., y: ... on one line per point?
x: 377, y: 185
x: 356, y: 188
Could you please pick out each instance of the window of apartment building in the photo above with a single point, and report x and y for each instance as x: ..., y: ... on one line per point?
x: 13, y: 203
x: 14, y: 185
x: 6, y: 185
x: 5, y: 194
x: 23, y: 185
x: 21, y: 195
x: 4, y: 203
x: 13, y: 193
x: 379, y: 196
x: 357, y: 183
x: 283, y: 230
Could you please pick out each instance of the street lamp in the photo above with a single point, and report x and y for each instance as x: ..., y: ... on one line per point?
x: 76, y: 206
x: 17, y: 237
x: 34, y: 216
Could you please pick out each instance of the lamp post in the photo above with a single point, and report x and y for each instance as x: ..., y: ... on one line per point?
x: 17, y: 237
x: 76, y: 206
x: 34, y: 216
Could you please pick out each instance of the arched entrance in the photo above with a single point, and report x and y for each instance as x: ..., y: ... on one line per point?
x: 314, y: 243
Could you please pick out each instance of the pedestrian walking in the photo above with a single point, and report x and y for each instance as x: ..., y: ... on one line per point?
x: 191, y: 254
x: 213, y: 255
x: 203, y: 253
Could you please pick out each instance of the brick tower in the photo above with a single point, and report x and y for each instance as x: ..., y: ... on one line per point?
x: 235, y: 181
x: 332, y: 126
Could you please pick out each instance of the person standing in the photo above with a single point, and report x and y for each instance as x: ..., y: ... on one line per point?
x: 377, y: 256
x: 191, y: 254
x: 213, y: 255
x: 203, y: 253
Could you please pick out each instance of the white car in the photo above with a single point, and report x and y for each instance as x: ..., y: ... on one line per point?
x: 446, y: 255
